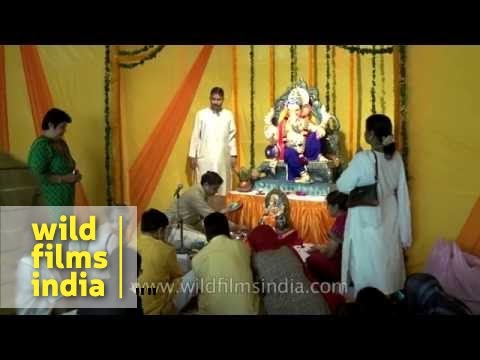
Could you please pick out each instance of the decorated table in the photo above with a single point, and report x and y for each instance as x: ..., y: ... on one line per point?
x: 308, y: 214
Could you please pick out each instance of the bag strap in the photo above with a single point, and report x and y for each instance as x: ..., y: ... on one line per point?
x: 376, y: 166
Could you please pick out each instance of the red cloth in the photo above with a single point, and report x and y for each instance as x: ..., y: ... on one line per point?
x: 338, y: 228
x: 290, y: 238
x: 262, y: 238
x: 324, y: 269
x: 333, y: 300
x: 281, y: 138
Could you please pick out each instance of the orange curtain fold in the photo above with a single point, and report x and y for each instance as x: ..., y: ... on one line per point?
x: 41, y: 98
x: 469, y: 238
x: 38, y: 91
x: 152, y: 159
x: 309, y: 218
x: 4, y: 133
x: 271, y: 58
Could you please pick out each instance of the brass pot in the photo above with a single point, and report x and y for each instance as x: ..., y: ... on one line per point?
x: 245, y: 186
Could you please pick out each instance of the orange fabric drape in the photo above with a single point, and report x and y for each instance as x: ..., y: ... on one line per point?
x: 150, y: 163
x: 309, y: 218
x: 469, y: 238
x: 4, y: 137
x: 41, y: 99
x: 271, y: 59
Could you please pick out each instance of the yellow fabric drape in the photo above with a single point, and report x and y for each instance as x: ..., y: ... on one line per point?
x: 150, y: 163
x: 41, y: 99
x: 309, y: 218
x: 4, y: 141
x: 119, y: 172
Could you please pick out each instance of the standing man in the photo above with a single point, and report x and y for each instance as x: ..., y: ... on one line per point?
x: 212, y: 145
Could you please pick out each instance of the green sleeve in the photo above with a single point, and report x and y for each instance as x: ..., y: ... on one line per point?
x: 39, y: 160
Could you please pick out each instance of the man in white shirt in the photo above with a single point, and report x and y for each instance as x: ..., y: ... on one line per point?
x: 213, y: 144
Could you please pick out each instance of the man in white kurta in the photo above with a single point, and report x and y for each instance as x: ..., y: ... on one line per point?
x: 213, y: 144
x: 375, y: 237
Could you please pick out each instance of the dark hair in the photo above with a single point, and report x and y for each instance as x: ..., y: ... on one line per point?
x: 338, y: 198
x: 347, y: 310
x: 139, y: 264
x: 211, y: 178
x: 152, y: 220
x: 55, y: 117
x: 217, y: 90
x: 216, y: 224
x: 372, y: 301
x: 381, y: 125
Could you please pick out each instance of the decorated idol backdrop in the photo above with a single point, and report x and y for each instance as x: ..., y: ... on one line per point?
x: 133, y: 111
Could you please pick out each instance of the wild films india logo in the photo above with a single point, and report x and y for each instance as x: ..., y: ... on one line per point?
x: 80, y: 254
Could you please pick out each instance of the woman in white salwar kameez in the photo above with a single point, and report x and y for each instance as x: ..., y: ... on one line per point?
x: 376, y: 237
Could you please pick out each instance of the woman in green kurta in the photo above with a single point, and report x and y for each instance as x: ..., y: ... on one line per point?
x: 51, y: 161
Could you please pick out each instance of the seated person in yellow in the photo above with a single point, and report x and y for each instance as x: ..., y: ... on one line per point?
x: 161, y: 274
x: 225, y: 279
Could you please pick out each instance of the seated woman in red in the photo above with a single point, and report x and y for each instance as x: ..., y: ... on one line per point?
x: 325, y: 261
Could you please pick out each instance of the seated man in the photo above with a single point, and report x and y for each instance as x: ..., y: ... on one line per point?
x: 160, y: 284
x: 193, y: 208
x: 224, y: 272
